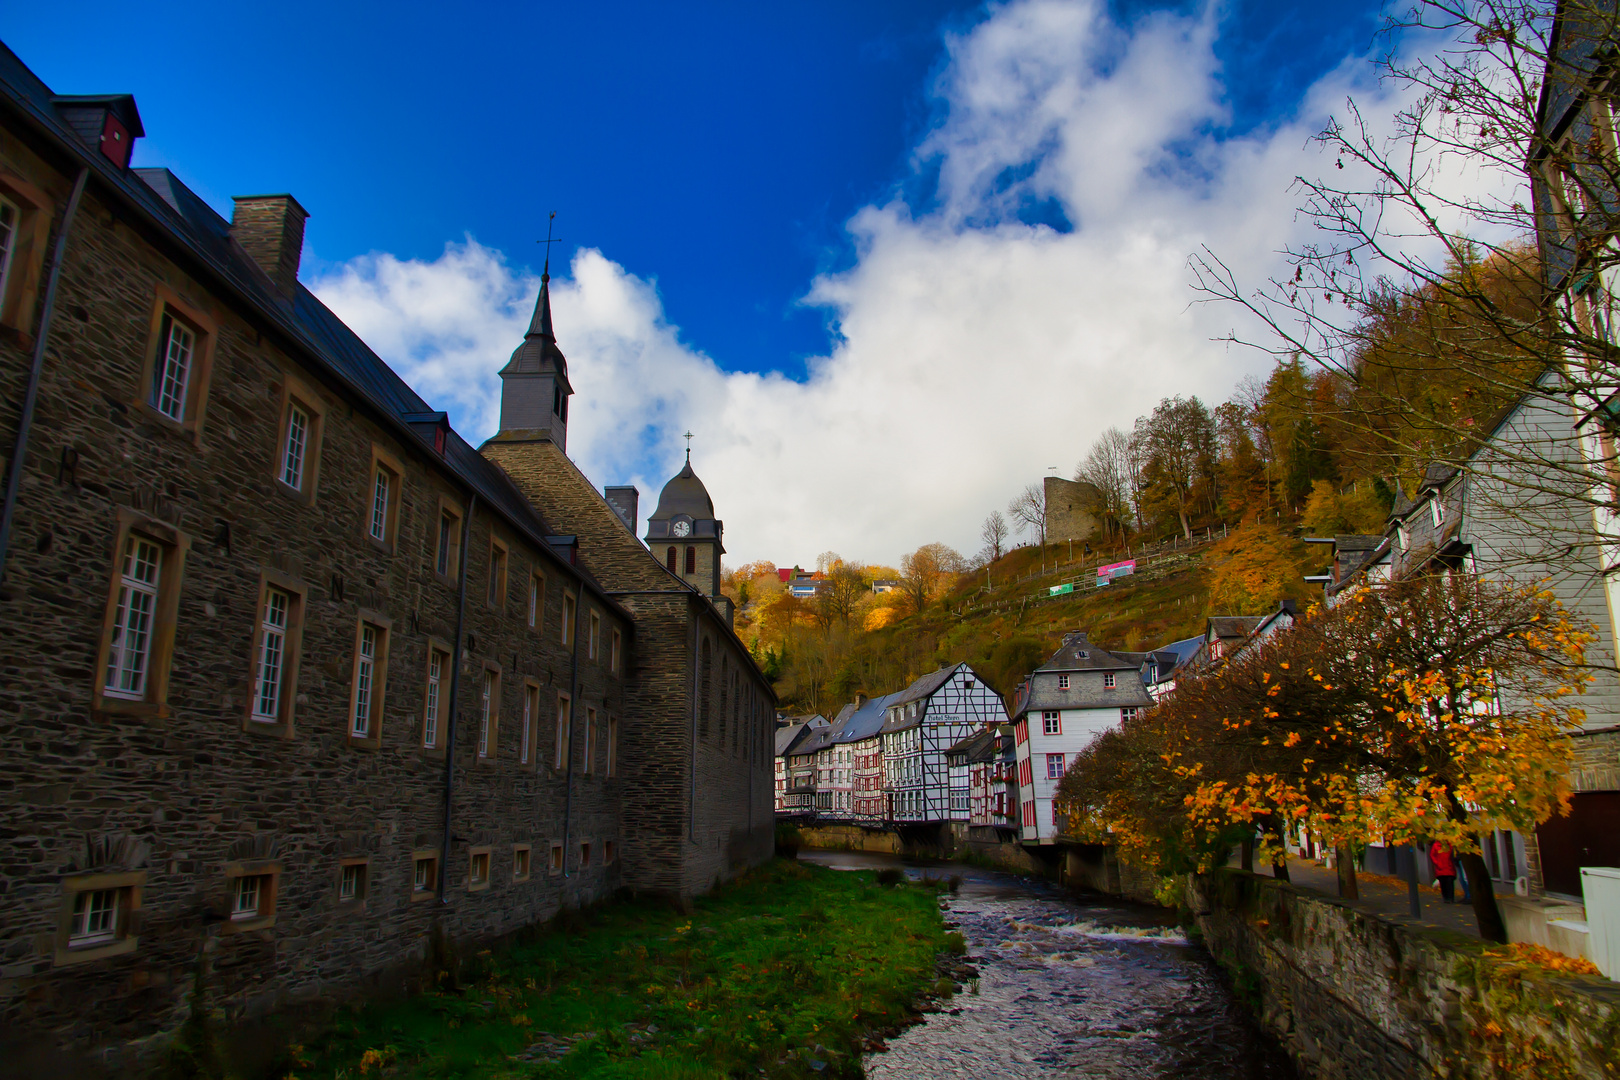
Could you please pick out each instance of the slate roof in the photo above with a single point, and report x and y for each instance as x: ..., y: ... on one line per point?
x: 157, y: 203
x: 684, y: 494
x: 1077, y: 653
x: 1233, y: 627
x: 867, y: 720
x: 980, y: 746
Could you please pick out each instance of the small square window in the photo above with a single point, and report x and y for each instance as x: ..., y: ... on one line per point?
x: 1054, y: 766
x: 1051, y: 723
x: 555, y: 864
x: 1128, y: 713
x: 1063, y: 682
x: 251, y: 896
x: 98, y: 916
x: 352, y: 882
x: 1108, y: 680
x: 478, y: 869
x: 520, y: 862
x: 424, y: 875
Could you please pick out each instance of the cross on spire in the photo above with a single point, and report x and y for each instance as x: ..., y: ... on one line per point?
x: 545, y: 274
x: 689, y: 447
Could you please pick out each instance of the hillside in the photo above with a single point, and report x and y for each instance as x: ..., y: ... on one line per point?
x: 1004, y: 621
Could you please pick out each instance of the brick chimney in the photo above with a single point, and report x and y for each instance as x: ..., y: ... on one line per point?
x: 270, y: 229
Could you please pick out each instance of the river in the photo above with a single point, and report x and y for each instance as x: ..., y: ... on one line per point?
x: 1070, y: 986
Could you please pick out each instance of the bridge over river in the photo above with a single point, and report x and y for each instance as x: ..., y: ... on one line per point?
x: 1071, y: 986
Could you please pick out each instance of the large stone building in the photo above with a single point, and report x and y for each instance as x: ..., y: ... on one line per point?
x: 296, y: 686
x: 1074, y: 510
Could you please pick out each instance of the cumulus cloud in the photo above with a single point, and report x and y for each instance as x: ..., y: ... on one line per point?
x: 973, y: 350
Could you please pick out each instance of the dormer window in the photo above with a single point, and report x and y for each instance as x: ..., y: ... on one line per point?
x: 1437, y: 510
x: 1082, y: 654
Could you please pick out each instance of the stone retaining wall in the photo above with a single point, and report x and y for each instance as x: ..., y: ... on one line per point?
x: 1356, y: 995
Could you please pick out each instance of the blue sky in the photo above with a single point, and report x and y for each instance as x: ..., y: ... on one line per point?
x: 718, y: 148
x: 785, y: 225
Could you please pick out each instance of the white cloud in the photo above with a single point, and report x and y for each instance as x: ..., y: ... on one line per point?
x: 973, y: 351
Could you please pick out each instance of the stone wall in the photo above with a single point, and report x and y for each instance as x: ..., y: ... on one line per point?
x: 1362, y: 997
x: 1073, y: 511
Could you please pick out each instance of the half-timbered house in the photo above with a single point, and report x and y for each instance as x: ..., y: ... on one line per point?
x: 931, y: 715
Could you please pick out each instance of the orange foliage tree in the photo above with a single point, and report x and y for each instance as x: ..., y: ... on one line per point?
x: 1433, y: 708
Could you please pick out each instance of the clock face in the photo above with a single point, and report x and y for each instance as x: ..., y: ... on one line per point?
x: 681, y: 528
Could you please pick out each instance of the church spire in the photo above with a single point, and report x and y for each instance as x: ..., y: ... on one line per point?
x: 534, y: 383
x: 540, y: 325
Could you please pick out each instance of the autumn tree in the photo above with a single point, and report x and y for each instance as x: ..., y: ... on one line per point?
x: 994, y: 534
x: 1180, y: 445
x: 841, y: 591
x: 925, y: 571
x: 1432, y: 708
x: 1028, y: 509
x: 1253, y: 568
x: 1107, y: 467
x: 1433, y: 303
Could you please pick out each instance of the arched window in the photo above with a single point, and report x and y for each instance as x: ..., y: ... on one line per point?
x: 736, y: 714
x: 705, y: 688
x: 691, y: 560
x: 669, y: 559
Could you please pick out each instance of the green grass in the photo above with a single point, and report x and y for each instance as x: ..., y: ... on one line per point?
x: 786, y: 968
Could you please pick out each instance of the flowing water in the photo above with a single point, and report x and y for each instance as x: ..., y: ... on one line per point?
x: 1071, y: 986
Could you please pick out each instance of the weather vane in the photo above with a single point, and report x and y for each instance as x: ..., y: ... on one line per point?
x: 548, y: 241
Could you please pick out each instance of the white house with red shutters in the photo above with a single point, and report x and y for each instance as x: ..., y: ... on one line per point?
x: 1067, y: 702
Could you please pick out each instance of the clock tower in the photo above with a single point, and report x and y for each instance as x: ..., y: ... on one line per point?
x: 684, y: 534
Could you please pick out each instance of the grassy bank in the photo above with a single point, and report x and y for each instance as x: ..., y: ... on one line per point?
x: 790, y: 971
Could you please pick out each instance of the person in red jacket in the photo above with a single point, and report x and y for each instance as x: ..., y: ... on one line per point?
x: 1445, y: 869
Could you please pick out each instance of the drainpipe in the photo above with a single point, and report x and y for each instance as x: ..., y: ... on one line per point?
x: 573, y: 712
x: 455, y: 699
x: 31, y: 395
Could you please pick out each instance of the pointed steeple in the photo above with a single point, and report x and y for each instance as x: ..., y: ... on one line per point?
x: 534, y: 383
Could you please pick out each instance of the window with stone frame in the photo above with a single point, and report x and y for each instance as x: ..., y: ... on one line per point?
x: 295, y: 462
x: 424, y: 874
x: 615, y: 647
x: 520, y: 862
x: 478, y: 868
x: 174, y: 367
x: 100, y: 916
x: 368, y: 682
x: 608, y: 852
x: 584, y: 854
x: 612, y: 746
x: 26, y: 213
x: 489, y: 713
x: 537, y: 600
x: 277, y: 632
x: 531, y: 715
x: 568, y: 612
x: 137, y: 642
x: 250, y: 896
x: 564, y: 730
x: 353, y: 875
x: 495, y: 588
x: 593, y: 644
x: 554, y: 863
x: 590, y: 740
x: 447, y: 541
x: 382, y: 498
x: 436, y: 698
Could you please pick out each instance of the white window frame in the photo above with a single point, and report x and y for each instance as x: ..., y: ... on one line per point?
x: 93, y: 924
x: 537, y: 599
x: 1051, y: 723
x: 438, y: 660
x: 1063, y: 682
x: 365, y: 680
x: 351, y: 882
x: 485, y: 702
x: 531, y: 706
x: 423, y: 883
x: 381, y: 484
x: 294, y: 444
x: 1129, y: 712
x: 249, y: 887
x: 172, y: 371
x: 565, y: 724
x: 129, y: 654
x: 272, y: 659
x: 1109, y: 680
x: 8, y: 240
x: 590, y: 731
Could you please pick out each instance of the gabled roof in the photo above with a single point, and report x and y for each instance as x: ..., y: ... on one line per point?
x: 174, y: 218
x: 866, y: 720
x: 926, y: 685
x: 1077, y: 653
x: 1228, y: 627
x: 979, y: 746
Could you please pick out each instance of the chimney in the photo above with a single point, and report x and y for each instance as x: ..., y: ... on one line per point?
x: 860, y: 699
x: 270, y: 229
x: 624, y: 501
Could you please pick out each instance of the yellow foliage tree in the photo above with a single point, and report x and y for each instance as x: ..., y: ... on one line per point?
x: 1252, y: 569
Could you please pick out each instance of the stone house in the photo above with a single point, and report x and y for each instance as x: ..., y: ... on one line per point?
x: 1082, y: 691
x: 299, y: 687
